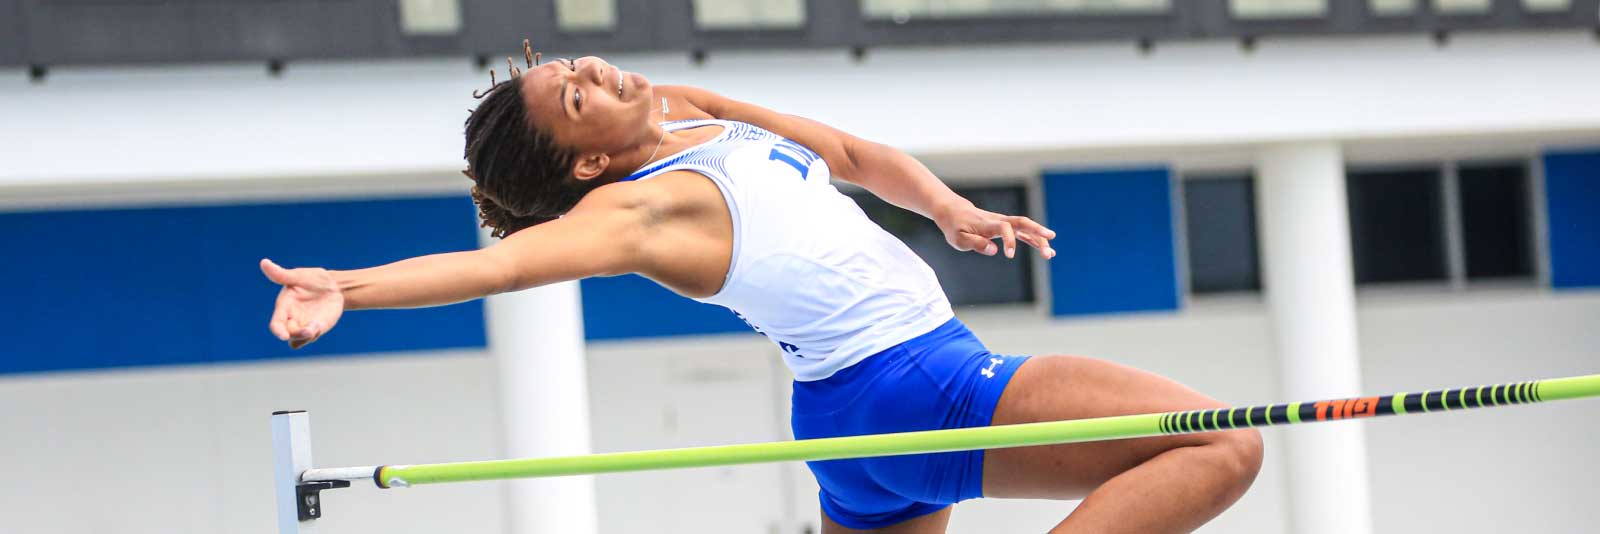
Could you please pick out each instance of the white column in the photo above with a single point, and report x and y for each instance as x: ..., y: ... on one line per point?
x: 1310, y: 293
x: 536, y: 337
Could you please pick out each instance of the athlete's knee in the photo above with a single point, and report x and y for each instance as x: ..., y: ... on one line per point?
x: 1241, y: 453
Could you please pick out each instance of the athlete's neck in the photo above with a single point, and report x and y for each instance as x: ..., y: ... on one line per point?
x: 661, y: 145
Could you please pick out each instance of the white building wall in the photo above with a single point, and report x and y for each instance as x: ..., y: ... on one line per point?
x: 1490, y: 470
x: 187, y: 449
x: 369, y: 122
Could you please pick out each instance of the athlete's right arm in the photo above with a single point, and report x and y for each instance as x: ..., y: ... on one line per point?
x: 600, y: 236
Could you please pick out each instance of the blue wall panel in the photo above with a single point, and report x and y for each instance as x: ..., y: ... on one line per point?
x: 118, y: 288
x: 632, y: 306
x: 1572, y: 196
x: 1114, y: 241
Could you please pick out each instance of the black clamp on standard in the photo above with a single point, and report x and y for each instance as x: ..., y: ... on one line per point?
x: 308, y: 497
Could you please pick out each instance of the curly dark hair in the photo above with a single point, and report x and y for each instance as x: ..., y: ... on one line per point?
x: 521, y: 176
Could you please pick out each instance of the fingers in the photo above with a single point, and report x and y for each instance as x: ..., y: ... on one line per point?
x: 1035, y: 234
x: 279, y: 324
x: 1040, y: 243
x: 1008, y: 237
x: 276, y: 274
x: 966, y: 241
x: 1025, y: 224
x: 304, y: 334
x: 987, y: 231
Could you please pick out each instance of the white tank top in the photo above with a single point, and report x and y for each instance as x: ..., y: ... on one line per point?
x: 809, y: 270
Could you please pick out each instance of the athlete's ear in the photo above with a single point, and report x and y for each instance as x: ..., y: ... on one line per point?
x: 589, y: 166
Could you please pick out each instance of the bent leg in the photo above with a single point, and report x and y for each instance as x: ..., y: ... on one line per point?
x: 1145, y: 485
x: 933, y: 523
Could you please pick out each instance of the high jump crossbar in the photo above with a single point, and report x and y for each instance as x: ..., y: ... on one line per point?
x: 298, y: 483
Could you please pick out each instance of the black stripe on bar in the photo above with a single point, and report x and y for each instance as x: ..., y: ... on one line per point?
x: 1194, y: 421
x: 1433, y: 400
x: 1161, y: 423
x: 1385, y: 406
x: 1241, y: 418
x: 1258, y: 416
x: 1209, y: 420
x: 1413, y: 403
x: 1538, y: 391
x: 1469, y: 397
x: 1308, y: 411
x: 1499, y: 394
x: 1517, y: 395
x: 1279, y: 414
x: 1453, y: 397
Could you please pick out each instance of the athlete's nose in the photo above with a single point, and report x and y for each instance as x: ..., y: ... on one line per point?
x: 595, y: 68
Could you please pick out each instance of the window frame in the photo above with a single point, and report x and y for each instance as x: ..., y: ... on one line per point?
x: 1035, y: 275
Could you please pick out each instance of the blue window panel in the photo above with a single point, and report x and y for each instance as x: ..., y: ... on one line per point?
x: 161, y: 286
x: 100, y: 289
x: 632, y: 306
x: 1114, y: 241
x: 1572, y: 196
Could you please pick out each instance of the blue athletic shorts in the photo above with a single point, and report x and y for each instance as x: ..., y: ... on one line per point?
x: 941, y: 379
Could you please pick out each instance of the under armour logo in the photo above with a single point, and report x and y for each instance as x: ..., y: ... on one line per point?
x: 989, y: 373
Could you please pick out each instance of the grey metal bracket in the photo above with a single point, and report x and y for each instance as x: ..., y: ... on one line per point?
x: 308, y: 497
x: 299, y: 503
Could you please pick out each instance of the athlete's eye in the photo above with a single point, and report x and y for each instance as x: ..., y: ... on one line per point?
x: 577, y: 100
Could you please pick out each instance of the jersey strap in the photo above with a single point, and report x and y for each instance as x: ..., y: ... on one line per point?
x: 670, y: 126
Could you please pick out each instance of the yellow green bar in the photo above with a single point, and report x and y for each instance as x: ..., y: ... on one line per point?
x: 961, y: 439
x: 931, y: 441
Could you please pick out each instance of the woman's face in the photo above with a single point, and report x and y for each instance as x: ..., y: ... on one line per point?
x: 588, y: 105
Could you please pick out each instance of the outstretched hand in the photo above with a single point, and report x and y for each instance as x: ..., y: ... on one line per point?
x: 967, y: 228
x: 308, y: 306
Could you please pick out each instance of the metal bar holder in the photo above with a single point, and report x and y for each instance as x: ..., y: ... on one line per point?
x: 299, y: 503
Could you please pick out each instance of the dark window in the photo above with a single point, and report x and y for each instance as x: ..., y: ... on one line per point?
x: 1495, y: 221
x: 1396, y: 227
x: 902, y: 11
x: 1220, y: 220
x: 968, y: 278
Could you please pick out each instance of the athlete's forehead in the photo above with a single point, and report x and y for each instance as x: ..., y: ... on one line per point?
x: 542, y: 90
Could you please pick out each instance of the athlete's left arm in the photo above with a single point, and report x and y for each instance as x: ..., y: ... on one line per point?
x: 886, y: 171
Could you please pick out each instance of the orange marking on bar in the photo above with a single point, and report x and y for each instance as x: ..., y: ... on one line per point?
x: 1322, y: 410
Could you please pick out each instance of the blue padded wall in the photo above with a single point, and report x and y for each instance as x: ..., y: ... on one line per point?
x: 180, y: 285
x: 1114, y: 241
x: 632, y: 306
x: 1572, y: 196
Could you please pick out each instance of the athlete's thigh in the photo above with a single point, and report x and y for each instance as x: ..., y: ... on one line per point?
x: 1054, y: 388
x: 934, y: 523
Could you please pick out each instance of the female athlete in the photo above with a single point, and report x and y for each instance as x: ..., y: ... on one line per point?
x: 587, y: 170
